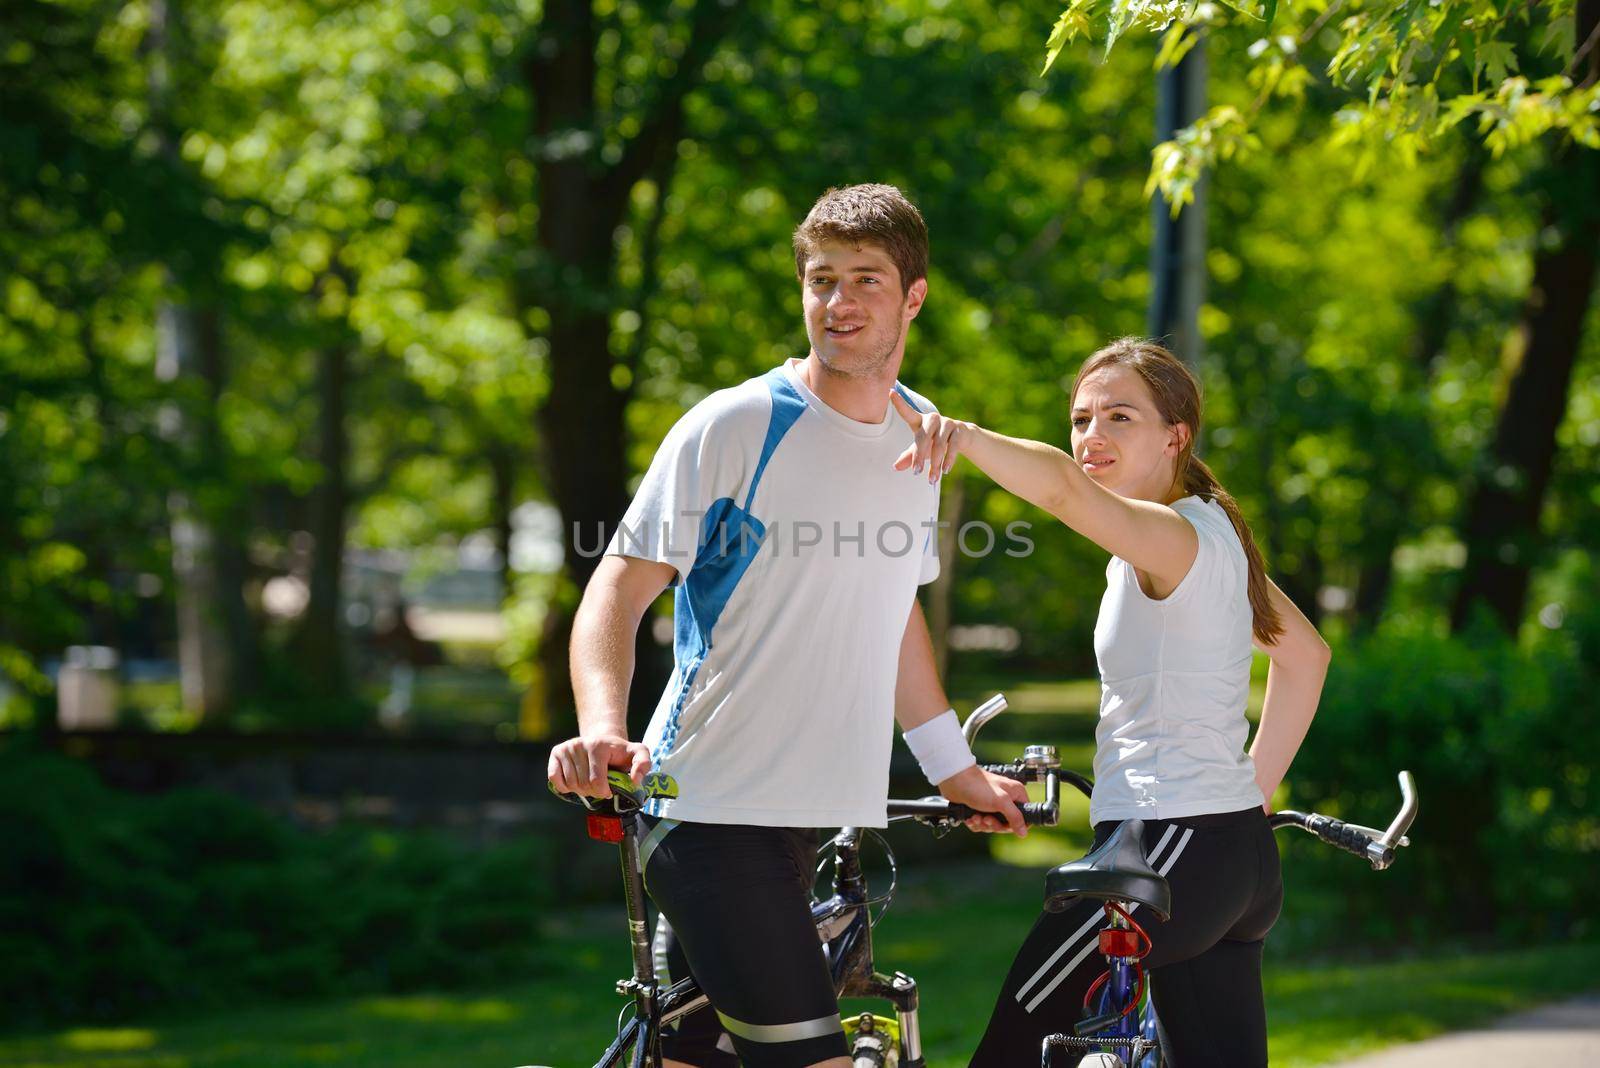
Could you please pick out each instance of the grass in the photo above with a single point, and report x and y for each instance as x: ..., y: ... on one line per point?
x: 953, y: 928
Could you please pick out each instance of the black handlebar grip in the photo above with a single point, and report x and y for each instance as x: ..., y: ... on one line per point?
x: 1034, y: 813
x: 1343, y: 836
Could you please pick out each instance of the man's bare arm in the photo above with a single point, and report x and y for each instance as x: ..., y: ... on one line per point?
x: 619, y: 593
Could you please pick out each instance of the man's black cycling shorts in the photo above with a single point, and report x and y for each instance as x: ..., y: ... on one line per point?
x: 735, y: 907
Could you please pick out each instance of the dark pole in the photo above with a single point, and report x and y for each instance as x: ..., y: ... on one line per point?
x: 1178, y: 246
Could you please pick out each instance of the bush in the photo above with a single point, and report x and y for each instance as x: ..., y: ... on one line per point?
x: 1501, y: 737
x: 112, y: 903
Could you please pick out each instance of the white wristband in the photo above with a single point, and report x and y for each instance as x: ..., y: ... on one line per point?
x: 940, y: 747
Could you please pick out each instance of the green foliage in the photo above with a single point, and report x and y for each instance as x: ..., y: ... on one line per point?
x: 1499, y: 736
x: 112, y: 904
x: 1420, y: 70
x: 362, y: 175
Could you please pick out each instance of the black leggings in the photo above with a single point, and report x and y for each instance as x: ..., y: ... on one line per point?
x: 1204, y: 965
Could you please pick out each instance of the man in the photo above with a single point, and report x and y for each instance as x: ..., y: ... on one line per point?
x: 796, y: 550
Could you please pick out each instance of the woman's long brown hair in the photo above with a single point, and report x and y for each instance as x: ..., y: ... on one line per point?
x: 1177, y: 397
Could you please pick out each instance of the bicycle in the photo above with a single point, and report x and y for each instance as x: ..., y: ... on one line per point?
x: 1119, y: 874
x: 1116, y: 872
x: 843, y: 920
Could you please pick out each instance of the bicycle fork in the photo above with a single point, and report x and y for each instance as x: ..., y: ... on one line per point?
x: 851, y: 959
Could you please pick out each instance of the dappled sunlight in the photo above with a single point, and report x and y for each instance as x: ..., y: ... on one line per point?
x: 441, y: 1010
x: 1043, y: 848
x: 108, y: 1039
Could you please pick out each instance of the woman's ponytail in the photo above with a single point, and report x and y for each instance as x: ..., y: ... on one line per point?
x: 1265, y: 624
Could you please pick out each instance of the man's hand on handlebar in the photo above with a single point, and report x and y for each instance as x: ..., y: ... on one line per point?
x: 988, y: 793
x: 578, y: 765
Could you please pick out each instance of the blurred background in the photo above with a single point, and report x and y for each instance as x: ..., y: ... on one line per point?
x: 334, y: 338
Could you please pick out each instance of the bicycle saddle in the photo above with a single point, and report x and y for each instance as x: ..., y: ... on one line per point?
x: 1117, y: 871
x: 625, y: 797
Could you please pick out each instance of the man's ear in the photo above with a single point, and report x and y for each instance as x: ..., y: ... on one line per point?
x: 915, y: 296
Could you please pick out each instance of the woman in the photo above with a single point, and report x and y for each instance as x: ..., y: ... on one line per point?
x: 1186, y: 594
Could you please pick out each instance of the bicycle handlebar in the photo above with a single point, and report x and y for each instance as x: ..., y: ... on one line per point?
x: 1039, y: 764
x: 937, y: 809
x: 1376, y: 848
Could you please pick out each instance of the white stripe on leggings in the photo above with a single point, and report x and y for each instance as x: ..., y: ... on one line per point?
x: 1155, y: 856
x: 1177, y: 850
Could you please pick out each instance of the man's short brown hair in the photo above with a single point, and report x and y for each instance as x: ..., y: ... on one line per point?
x: 856, y: 214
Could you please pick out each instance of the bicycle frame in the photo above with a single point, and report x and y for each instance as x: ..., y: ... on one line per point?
x: 652, y: 1007
x: 846, y: 929
x: 841, y: 921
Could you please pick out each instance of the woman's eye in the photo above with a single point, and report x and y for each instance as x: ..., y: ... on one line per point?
x: 1079, y: 421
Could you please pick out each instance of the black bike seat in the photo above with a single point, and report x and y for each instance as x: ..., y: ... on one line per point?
x: 1117, y: 871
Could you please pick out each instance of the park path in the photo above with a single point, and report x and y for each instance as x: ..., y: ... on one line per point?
x: 1566, y: 1033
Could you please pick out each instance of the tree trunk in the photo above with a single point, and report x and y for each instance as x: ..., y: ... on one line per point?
x: 189, y: 350
x: 582, y: 201
x: 204, y: 670
x: 503, y: 475
x: 322, y: 630
x: 1502, y: 520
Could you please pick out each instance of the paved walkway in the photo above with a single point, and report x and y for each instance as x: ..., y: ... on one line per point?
x: 1564, y: 1034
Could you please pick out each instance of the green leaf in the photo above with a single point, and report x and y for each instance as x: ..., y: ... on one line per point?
x: 1269, y: 12
x: 1065, y: 30
x: 1175, y: 44
x: 1498, y: 58
x: 1560, y: 37
x: 1446, y: 31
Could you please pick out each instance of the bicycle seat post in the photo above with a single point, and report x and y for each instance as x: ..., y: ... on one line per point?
x: 644, y: 972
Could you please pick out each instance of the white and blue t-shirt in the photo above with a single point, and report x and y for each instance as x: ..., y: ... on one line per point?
x: 799, y: 550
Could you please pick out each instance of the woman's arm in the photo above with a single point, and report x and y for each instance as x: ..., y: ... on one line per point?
x: 1150, y: 536
x: 1299, y: 664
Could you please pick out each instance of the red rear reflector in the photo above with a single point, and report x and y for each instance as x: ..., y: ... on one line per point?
x: 605, y: 828
x: 1115, y: 942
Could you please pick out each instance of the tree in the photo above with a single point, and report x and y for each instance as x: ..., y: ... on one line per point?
x: 592, y: 149
x: 1423, y: 69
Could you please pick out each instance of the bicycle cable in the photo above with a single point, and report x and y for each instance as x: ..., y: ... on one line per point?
x: 826, y: 854
x: 894, y: 881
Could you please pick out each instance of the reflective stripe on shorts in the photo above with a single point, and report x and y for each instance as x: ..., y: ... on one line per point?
x: 789, y: 1032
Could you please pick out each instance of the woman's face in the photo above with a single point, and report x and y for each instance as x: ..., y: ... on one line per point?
x: 1119, y: 437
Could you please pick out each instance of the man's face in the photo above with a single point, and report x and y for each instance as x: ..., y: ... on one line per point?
x: 856, y: 311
